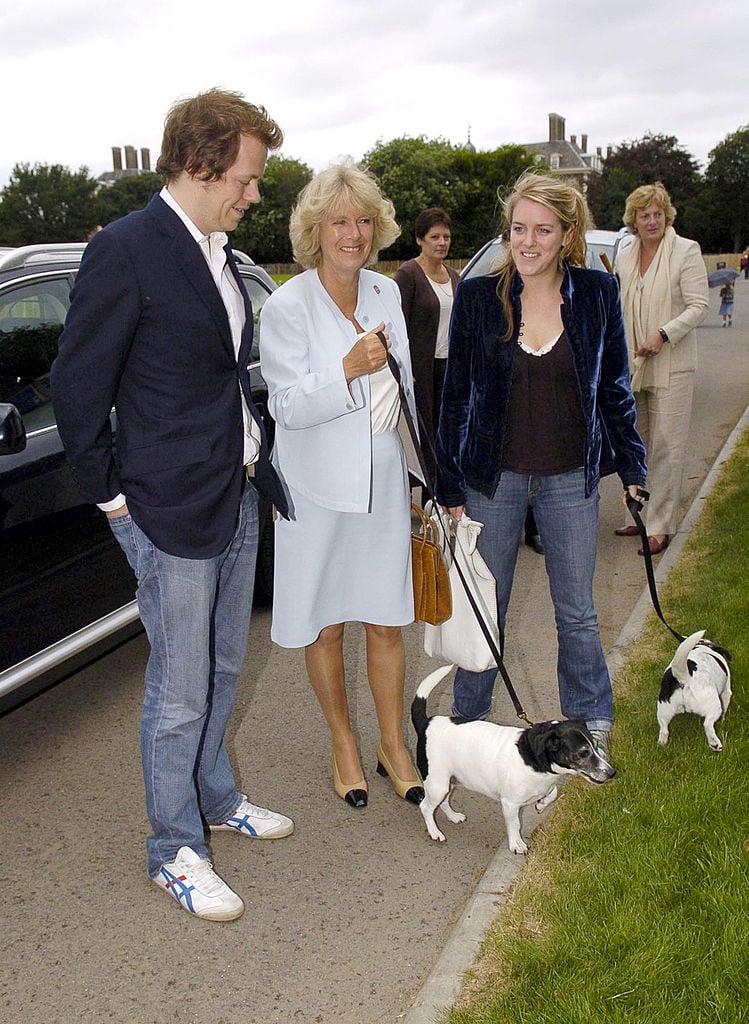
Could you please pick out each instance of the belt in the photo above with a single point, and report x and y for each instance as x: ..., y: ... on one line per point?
x: 250, y: 470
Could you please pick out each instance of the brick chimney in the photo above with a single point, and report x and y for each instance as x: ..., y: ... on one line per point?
x: 116, y: 158
x: 584, y: 143
x: 556, y: 128
x: 145, y: 159
x: 131, y: 158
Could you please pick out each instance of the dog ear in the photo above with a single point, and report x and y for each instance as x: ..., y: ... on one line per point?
x: 717, y: 648
x: 543, y: 742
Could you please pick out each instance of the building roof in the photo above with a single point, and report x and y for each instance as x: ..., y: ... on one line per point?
x: 565, y: 155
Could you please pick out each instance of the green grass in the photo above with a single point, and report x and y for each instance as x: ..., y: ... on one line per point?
x: 634, y: 904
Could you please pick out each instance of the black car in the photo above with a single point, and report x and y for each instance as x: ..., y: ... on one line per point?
x: 66, y: 590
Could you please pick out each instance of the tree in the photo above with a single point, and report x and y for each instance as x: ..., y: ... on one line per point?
x: 416, y: 173
x: 47, y: 203
x: 264, y: 232
x: 124, y: 195
x: 489, y: 176
x: 413, y: 173
x: 641, y: 162
x: 703, y: 219
x: 727, y: 176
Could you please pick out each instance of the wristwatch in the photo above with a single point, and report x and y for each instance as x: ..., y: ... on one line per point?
x: 662, y: 333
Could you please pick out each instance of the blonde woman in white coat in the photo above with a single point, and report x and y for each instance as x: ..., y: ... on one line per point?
x: 347, y: 553
x: 664, y: 300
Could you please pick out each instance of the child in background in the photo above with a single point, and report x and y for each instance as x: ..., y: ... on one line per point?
x: 726, y: 305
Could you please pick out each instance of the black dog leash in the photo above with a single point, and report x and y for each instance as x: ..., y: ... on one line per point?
x: 395, y: 370
x: 635, y: 507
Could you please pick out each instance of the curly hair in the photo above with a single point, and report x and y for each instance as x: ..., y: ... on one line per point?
x: 341, y: 186
x: 643, y: 197
x: 202, y: 134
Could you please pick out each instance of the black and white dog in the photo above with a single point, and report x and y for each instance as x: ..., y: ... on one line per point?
x: 698, y: 680
x: 512, y: 766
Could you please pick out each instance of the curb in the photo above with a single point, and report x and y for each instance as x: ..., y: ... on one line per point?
x: 442, y: 986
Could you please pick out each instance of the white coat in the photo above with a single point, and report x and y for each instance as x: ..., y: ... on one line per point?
x: 323, y: 435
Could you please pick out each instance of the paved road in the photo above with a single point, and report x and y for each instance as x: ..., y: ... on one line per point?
x: 345, y: 918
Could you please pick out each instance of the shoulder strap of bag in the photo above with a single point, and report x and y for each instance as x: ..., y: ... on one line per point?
x: 395, y: 370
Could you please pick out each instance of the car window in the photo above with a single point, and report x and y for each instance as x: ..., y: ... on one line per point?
x: 32, y: 316
x: 595, y: 251
x: 485, y: 260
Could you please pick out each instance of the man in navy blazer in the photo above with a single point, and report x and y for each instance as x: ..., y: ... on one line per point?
x: 160, y: 328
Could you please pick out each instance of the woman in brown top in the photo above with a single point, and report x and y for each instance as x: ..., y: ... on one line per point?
x: 427, y: 286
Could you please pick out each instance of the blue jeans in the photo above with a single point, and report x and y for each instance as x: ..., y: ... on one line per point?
x: 568, y: 524
x: 196, y: 613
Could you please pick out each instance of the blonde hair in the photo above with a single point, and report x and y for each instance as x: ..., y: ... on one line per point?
x: 341, y: 186
x: 568, y: 206
x: 641, y: 198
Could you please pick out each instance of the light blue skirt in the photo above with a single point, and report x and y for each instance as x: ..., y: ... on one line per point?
x: 333, y: 567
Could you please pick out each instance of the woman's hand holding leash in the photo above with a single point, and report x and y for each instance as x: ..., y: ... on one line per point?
x: 636, y: 494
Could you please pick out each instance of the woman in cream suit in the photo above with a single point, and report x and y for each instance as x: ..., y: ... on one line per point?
x: 664, y: 300
x: 347, y: 553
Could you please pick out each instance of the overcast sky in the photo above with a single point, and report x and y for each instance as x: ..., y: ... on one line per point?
x: 81, y: 76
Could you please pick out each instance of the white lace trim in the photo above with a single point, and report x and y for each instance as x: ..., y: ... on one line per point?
x: 541, y: 351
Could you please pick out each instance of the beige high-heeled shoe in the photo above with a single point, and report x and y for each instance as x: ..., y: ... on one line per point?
x: 407, y: 789
x: 354, y: 793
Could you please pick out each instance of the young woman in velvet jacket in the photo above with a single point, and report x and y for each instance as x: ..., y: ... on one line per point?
x: 536, y: 408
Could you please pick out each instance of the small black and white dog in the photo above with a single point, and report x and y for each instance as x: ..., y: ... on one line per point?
x: 698, y: 680
x: 512, y: 766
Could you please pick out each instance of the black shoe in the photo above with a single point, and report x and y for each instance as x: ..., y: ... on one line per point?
x: 533, y: 540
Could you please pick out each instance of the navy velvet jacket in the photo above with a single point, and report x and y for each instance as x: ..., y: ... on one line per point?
x: 473, y: 418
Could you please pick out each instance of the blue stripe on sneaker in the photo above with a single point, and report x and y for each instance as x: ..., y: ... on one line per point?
x: 240, y: 824
x: 175, y: 884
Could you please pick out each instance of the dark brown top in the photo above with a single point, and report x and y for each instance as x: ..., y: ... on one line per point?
x: 545, y: 425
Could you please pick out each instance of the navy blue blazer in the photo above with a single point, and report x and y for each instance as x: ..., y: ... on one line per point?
x: 475, y: 401
x: 148, y: 333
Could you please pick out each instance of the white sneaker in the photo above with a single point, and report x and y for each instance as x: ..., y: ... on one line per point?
x: 257, y: 822
x: 197, y: 888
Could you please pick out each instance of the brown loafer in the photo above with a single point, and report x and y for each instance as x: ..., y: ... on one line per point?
x: 627, y: 531
x: 656, y: 546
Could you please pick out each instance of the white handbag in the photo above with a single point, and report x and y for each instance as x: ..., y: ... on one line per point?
x: 460, y: 639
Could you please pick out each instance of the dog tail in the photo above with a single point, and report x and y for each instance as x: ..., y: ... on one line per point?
x: 419, y: 715
x: 428, y: 684
x: 680, y: 662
